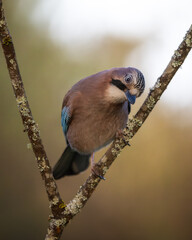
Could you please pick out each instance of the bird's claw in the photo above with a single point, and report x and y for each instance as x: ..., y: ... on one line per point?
x: 121, y: 136
x: 127, y: 143
x: 96, y: 172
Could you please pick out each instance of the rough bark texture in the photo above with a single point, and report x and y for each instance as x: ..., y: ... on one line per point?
x: 61, y: 213
x: 30, y: 126
x: 134, y: 124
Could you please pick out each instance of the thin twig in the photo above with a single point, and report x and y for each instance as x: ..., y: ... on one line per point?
x: 30, y: 126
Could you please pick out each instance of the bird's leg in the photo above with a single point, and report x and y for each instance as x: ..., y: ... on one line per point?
x: 94, y: 169
x: 120, y: 135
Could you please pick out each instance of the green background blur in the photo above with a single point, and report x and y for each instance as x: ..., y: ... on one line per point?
x: 147, y: 194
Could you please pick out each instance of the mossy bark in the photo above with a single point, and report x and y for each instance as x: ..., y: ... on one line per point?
x: 133, y: 124
x: 31, y: 127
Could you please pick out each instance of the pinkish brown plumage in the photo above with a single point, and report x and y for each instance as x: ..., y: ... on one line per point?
x: 93, y: 110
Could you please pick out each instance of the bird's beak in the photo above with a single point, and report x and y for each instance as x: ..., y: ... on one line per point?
x: 131, y: 98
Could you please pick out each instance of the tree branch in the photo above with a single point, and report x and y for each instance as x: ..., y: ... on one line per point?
x: 134, y: 124
x: 62, y: 214
x: 30, y: 126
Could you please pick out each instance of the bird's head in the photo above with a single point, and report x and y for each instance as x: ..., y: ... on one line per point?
x: 129, y: 80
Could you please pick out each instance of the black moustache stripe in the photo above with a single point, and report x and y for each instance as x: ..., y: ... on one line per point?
x: 118, y: 84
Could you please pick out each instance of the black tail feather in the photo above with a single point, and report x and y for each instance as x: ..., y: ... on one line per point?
x: 70, y: 163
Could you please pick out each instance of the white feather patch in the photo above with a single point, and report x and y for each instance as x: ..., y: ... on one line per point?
x: 114, y: 94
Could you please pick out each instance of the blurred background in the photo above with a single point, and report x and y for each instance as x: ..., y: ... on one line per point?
x: 147, y: 194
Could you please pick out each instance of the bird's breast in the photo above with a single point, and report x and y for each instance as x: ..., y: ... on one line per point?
x: 95, y: 126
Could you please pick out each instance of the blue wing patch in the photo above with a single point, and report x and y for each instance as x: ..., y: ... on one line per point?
x: 65, y: 119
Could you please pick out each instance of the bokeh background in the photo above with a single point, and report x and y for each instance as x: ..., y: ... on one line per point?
x: 148, y: 193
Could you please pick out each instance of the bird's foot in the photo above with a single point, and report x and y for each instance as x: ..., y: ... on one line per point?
x: 97, y: 172
x: 121, y: 135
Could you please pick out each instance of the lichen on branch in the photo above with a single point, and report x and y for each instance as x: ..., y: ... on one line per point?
x: 30, y: 126
x: 136, y: 122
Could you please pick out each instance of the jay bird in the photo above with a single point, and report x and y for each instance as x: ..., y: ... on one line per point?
x: 94, y: 111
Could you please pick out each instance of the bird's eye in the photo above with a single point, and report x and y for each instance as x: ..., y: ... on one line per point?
x: 128, y: 78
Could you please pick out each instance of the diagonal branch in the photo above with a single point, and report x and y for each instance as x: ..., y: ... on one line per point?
x: 134, y: 124
x: 30, y: 126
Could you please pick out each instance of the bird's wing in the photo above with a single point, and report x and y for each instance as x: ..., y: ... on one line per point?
x: 65, y: 119
x: 70, y: 101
